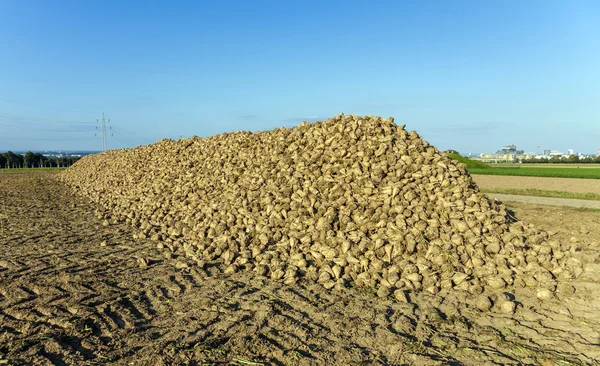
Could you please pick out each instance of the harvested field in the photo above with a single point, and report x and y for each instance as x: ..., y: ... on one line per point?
x: 344, y: 241
x: 569, y: 202
x: 16, y: 170
x: 77, y: 290
x: 541, y: 183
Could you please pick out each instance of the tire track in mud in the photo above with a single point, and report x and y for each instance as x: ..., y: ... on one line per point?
x: 65, y: 299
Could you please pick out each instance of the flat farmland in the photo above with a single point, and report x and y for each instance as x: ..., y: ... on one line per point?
x: 76, y: 289
x: 570, y: 172
x: 550, y: 166
x: 540, y: 183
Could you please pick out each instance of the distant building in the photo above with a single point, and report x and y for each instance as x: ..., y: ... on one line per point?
x: 510, y: 149
x: 507, y: 154
x: 570, y: 152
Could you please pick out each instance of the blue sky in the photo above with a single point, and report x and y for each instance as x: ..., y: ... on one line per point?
x: 466, y: 75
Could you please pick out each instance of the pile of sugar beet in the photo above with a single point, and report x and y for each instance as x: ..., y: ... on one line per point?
x: 351, y: 201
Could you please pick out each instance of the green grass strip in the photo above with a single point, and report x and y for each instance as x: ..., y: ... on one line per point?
x: 543, y: 193
x: 16, y: 170
x: 468, y: 162
x: 540, y: 172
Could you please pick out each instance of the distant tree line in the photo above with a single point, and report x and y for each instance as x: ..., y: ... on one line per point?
x: 10, y: 160
x: 572, y: 159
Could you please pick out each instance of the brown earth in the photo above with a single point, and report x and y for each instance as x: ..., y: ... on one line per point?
x: 546, y: 200
x: 543, y: 183
x: 77, y: 290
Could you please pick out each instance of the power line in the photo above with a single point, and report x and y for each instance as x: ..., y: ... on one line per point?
x: 103, y: 126
x: 45, y: 107
x: 123, y: 142
x: 119, y: 128
x: 39, y: 119
x: 21, y: 128
x: 137, y: 138
x: 103, y: 129
x: 49, y: 139
x: 135, y: 141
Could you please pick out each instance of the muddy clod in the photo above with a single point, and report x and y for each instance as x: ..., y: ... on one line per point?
x: 565, y: 289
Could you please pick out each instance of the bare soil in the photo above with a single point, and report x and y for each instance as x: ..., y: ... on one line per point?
x: 546, y: 200
x: 543, y: 183
x: 75, y: 290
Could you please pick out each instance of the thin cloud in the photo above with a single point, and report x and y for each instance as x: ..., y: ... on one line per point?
x: 295, y: 121
x: 372, y: 105
x: 248, y: 116
x: 302, y: 119
x: 376, y: 105
x: 136, y: 102
x: 469, y: 129
x: 473, y: 129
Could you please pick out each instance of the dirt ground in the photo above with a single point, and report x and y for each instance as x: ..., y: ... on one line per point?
x: 75, y: 290
x: 543, y: 183
x: 545, y: 200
